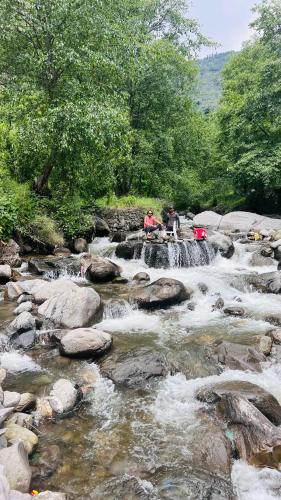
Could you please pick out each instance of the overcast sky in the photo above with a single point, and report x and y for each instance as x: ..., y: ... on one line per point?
x: 224, y: 21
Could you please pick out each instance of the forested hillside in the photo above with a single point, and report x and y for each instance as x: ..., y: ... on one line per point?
x: 98, y: 100
x: 210, y: 79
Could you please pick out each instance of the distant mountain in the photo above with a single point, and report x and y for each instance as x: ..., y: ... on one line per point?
x: 209, y: 87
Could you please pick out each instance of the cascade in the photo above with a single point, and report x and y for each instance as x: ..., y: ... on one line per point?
x: 179, y: 254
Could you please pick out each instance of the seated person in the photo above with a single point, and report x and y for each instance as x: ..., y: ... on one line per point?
x: 170, y: 218
x: 151, y: 223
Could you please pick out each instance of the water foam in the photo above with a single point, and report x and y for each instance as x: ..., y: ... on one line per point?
x: 14, y: 362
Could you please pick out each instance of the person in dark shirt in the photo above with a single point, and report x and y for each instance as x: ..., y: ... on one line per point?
x: 170, y: 218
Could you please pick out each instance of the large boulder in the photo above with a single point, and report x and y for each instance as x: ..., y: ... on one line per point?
x: 9, y: 253
x: 63, y: 396
x: 101, y: 227
x: 134, y: 369
x: 208, y: 219
x: 75, y: 308
x: 223, y: 244
x: 44, y: 290
x: 129, y: 250
x: 100, y: 270
x: 5, y: 274
x: 161, y: 293
x: 85, y: 343
x: 239, y: 357
x: 265, y: 402
x: 16, y: 467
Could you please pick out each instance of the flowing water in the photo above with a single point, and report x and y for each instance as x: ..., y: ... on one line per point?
x: 147, y: 443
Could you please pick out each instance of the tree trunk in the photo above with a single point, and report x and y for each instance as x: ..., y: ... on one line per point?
x: 42, y: 181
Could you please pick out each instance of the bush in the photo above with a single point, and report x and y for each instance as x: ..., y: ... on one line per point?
x: 72, y: 217
x: 44, y: 230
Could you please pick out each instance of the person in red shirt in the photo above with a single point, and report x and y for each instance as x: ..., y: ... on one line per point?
x: 151, y: 223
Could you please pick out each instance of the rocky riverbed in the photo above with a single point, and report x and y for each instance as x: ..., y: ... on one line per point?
x: 143, y: 382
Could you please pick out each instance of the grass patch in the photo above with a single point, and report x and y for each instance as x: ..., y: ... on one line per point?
x: 44, y: 230
x: 131, y: 201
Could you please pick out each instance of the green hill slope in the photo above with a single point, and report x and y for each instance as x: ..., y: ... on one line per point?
x: 209, y: 87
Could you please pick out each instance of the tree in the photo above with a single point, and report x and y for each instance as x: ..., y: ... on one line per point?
x: 249, y: 115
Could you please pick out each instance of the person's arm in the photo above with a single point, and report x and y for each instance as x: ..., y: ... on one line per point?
x: 178, y: 220
x: 145, y: 224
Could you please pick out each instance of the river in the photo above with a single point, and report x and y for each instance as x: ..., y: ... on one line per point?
x: 148, y: 443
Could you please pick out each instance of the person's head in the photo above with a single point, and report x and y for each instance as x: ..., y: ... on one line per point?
x: 149, y: 212
x: 171, y: 210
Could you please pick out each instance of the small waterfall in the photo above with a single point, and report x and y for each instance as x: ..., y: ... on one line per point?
x: 116, y: 309
x: 178, y: 254
x: 190, y: 253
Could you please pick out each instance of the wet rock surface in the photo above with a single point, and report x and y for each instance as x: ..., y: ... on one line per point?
x: 74, y: 308
x: 161, y: 293
x: 16, y: 467
x: 99, y: 270
x: 239, y: 357
x: 85, y: 343
x: 265, y: 402
x: 134, y: 369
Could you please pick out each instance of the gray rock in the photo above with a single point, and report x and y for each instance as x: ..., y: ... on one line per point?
x: 11, y: 399
x: 101, y: 227
x: 24, y: 307
x: 219, y: 304
x: 25, y: 340
x: 161, y: 293
x: 265, y: 282
x: 223, y: 244
x: 275, y: 335
x: 190, y: 215
x: 75, y: 308
x: 3, y: 374
x: 265, y: 402
x: 5, y: 413
x: 129, y: 250
x: 16, y: 467
x: 24, y: 322
x: 275, y: 244
x: 44, y: 290
x: 99, y: 269
x: 25, y: 297
x: 118, y: 237
x: 39, y: 266
x: 85, y: 343
x: 277, y: 253
x: 63, y: 396
x: 207, y: 219
x: 141, y: 277
x: 134, y: 369
x: 265, y: 345
x: 80, y: 245
x: 266, y: 251
x: 239, y: 357
x: 16, y: 434
x: 13, y: 290
x: 5, y: 274
x: 62, y: 252
x: 27, y: 402
x: 203, y: 288
x: 9, y: 253
x: 21, y: 419
x: 234, y: 311
x: 259, y: 260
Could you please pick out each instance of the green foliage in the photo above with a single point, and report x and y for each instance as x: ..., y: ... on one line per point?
x: 71, y: 217
x: 132, y: 201
x: 16, y: 205
x: 249, y: 115
x: 43, y: 229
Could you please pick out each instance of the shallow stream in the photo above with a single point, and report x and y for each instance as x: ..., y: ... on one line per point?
x: 148, y: 443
